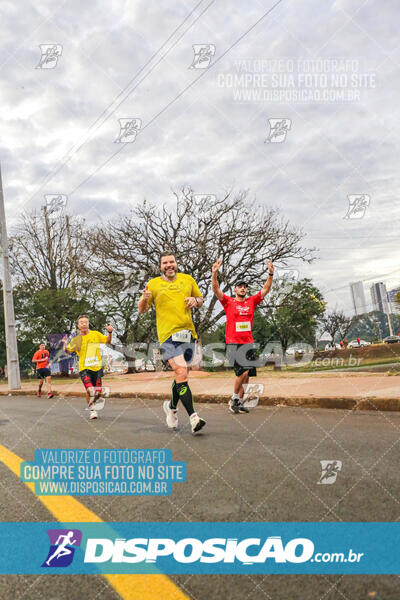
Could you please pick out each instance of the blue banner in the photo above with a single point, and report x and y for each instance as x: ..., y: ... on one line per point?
x: 200, y: 548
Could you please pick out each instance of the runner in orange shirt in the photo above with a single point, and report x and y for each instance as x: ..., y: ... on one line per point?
x: 41, y: 360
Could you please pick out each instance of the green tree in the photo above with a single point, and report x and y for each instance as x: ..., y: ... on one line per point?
x: 373, y: 326
x: 290, y: 316
x: 50, y: 311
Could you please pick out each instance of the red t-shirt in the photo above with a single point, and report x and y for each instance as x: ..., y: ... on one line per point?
x: 239, y: 318
x: 42, y: 357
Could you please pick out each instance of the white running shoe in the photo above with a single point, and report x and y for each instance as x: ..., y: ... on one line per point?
x: 172, y: 415
x: 196, y: 423
x: 93, y: 415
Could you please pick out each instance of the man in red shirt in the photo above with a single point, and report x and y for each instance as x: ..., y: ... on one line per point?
x: 41, y: 360
x: 238, y: 334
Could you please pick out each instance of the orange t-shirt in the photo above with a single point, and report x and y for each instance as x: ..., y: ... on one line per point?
x: 43, y: 357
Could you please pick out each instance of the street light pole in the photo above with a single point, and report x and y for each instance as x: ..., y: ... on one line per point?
x: 13, y: 374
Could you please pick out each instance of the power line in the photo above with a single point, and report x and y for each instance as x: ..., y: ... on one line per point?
x: 178, y: 95
x: 342, y: 287
x: 71, y: 152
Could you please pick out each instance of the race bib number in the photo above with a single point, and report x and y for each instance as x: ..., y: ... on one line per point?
x: 185, y: 335
x: 91, y: 361
x: 243, y: 326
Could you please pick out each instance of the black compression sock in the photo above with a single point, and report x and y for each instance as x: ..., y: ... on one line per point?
x: 185, y: 395
x: 175, y: 397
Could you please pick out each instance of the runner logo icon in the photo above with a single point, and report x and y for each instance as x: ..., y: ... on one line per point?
x: 62, y: 547
x: 278, y: 129
x: 358, y: 204
x: 330, y: 470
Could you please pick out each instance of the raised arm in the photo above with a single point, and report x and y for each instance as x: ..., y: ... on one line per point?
x: 144, y: 301
x: 110, y: 329
x: 268, y: 283
x: 214, y: 280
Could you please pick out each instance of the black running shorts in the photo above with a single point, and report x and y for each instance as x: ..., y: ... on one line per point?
x: 242, y: 357
x: 43, y: 373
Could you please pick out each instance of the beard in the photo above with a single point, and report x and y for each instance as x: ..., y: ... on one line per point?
x: 169, y: 272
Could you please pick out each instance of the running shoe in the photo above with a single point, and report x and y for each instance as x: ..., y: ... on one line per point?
x: 172, y: 415
x: 196, y: 423
x: 100, y: 398
x: 234, y: 406
x: 242, y: 408
x: 93, y: 415
x: 50, y: 395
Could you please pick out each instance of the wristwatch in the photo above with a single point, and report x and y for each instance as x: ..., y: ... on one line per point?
x: 270, y: 274
x: 196, y: 301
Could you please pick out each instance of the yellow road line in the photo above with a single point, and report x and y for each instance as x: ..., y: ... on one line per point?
x: 67, y: 509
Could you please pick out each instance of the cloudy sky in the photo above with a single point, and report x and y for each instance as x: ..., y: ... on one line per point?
x: 326, y: 70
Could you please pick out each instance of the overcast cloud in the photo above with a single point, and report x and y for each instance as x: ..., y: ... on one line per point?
x: 211, y: 138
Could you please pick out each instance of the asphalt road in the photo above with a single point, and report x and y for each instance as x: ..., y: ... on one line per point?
x: 263, y: 466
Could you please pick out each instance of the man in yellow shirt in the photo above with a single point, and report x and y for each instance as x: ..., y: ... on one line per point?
x: 174, y: 295
x: 87, y: 347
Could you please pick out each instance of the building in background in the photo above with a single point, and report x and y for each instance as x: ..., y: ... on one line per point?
x: 393, y: 306
x: 379, y: 297
x: 358, y: 296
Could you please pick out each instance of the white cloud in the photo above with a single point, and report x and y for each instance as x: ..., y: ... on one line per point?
x: 207, y: 138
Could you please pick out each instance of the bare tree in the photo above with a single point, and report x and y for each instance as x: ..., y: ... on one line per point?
x: 53, y: 283
x: 345, y: 325
x: 336, y: 322
x: 196, y: 230
x: 48, y: 252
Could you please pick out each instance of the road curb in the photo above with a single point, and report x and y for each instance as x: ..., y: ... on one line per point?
x: 372, y: 403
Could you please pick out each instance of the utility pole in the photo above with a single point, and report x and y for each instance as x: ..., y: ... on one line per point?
x: 389, y: 322
x: 13, y: 374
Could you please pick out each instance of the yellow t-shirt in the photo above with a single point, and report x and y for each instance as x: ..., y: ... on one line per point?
x: 169, y: 302
x: 87, y: 348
